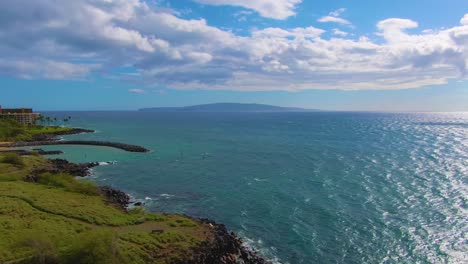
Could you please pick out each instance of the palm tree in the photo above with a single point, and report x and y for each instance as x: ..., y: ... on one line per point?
x: 41, y: 119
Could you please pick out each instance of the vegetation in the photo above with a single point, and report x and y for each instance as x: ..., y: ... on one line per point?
x: 69, y: 183
x: 11, y: 130
x: 59, y: 219
x: 13, y: 159
x: 47, y: 120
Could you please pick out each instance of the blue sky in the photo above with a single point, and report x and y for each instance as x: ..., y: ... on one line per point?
x: 333, y: 55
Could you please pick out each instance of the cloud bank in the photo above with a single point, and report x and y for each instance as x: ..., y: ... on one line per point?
x: 77, y: 39
x: 277, y: 9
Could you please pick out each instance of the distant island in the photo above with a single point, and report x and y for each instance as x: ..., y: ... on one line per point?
x: 228, y: 107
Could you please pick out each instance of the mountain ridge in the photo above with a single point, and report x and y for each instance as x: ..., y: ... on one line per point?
x: 228, y: 107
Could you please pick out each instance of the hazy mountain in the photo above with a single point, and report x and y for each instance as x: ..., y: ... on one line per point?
x: 228, y: 107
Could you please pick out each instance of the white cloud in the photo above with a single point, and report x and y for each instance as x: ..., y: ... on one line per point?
x: 309, y: 32
x: 137, y: 91
x: 393, y: 29
x: 277, y: 9
x: 464, y: 20
x: 341, y: 33
x: 334, y: 17
x: 39, y: 39
x: 242, y: 15
x: 45, y: 69
x: 338, y: 12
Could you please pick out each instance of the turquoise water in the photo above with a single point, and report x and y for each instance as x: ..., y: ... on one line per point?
x: 300, y: 187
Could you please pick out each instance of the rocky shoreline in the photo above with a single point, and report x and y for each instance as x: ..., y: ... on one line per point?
x: 224, y: 247
x: 51, y: 139
x: 53, y: 135
x: 122, y: 146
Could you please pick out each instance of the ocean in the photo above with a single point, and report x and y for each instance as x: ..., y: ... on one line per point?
x: 318, y: 187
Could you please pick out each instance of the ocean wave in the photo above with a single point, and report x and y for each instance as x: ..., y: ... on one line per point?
x: 257, y: 246
x: 260, y: 180
x: 106, y: 163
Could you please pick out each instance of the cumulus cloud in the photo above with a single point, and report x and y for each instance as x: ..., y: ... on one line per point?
x: 334, y: 17
x: 78, y: 39
x: 277, y: 9
x: 464, y: 20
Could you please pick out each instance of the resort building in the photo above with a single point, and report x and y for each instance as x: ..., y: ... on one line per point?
x: 25, y: 116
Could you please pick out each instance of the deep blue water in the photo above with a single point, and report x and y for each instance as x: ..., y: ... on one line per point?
x: 300, y: 187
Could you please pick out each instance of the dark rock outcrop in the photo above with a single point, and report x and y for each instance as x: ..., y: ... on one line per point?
x: 115, y: 196
x: 126, y: 147
x: 225, y: 248
x: 48, y: 152
x: 51, y: 139
x: 23, y: 152
x: 56, y: 166
x: 81, y: 169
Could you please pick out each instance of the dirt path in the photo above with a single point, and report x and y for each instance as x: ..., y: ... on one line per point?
x: 4, y: 143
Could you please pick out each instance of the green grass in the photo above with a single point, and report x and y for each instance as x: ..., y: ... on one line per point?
x: 69, y: 183
x: 34, y: 130
x: 11, y: 130
x: 13, y: 159
x: 11, y: 172
x: 54, y: 221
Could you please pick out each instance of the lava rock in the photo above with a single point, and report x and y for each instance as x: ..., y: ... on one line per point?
x: 64, y: 166
x: 116, y: 196
x: 225, y: 248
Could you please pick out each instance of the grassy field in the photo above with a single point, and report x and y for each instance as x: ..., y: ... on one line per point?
x: 10, y: 130
x: 52, y: 221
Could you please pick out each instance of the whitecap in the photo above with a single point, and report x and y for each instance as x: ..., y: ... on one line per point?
x: 257, y: 245
x: 165, y: 195
x: 260, y: 180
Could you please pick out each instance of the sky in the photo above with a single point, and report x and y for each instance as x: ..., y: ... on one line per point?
x: 360, y: 55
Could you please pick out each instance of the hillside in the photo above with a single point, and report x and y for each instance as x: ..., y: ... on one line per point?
x: 227, y: 107
x: 48, y: 216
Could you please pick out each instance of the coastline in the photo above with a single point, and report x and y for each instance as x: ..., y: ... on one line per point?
x: 221, y: 246
x: 225, y: 247
x: 122, y: 146
x: 44, y: 139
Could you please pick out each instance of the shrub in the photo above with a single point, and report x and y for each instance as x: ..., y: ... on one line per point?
x: 12, y: 130
x: 69, y: 183
x: 13, y: 159
x: 44, y: 251
x: 96, y: 247
x: 137, y: 211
